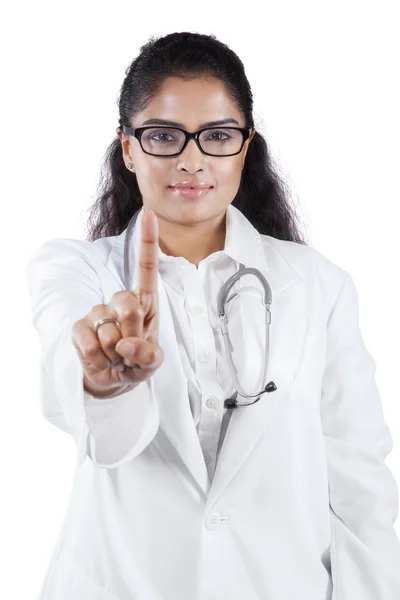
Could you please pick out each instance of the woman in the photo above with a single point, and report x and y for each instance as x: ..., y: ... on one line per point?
x: 178, y: 494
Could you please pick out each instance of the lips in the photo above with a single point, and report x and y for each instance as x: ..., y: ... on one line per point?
x: 187, y: 192
x: 193, y: 186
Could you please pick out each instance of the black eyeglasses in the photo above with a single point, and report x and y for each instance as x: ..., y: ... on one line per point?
x: 215, y: 141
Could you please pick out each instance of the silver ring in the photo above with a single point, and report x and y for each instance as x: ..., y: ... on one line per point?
x: 105, y: 320
x: 117, y: 365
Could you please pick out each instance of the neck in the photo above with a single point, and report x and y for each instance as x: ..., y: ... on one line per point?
x: 193, y: 242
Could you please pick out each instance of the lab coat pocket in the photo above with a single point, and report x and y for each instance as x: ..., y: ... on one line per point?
x: 67, y: 581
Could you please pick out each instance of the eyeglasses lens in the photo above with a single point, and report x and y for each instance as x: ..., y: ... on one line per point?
x: 165, y: 141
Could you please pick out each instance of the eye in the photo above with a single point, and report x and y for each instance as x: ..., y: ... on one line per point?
x: 210, y: 136
x: 153, y: 137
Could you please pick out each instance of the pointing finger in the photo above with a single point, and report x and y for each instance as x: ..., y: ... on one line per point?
x: 148, y: 254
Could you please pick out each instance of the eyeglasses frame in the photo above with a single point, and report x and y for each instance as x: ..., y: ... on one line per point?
x: 138, y: 132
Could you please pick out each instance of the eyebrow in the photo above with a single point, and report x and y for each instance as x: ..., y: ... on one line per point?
x: 175, y: 124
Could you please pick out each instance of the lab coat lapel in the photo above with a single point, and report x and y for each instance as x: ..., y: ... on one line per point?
x: 169, y: 381
x: 288, y: 333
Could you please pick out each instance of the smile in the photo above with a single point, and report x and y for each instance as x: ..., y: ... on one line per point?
x: 190, y: 192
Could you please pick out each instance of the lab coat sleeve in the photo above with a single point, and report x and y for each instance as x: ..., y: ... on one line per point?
x: 365, y: 550
x: 63, y: 285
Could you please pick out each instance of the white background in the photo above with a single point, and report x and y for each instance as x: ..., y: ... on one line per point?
x: 325, y: 80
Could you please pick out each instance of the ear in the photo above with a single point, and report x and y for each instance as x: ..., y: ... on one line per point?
x: 253, y: 133
x: 125, y: 148
x: 122, y: 136
x: 247, y: 142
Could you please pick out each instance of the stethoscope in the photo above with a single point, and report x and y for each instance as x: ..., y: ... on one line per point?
x: 221, y: 302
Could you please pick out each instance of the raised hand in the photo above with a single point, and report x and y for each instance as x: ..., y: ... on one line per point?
x: 138, y: 315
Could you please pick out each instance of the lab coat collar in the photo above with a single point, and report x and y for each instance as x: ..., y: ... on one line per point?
x: 289, y: 328
x: 242, y: 240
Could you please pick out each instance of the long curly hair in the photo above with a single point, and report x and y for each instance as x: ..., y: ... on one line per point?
x: 262, y: 197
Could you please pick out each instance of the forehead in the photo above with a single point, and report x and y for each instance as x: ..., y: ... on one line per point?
x: 190, y: 103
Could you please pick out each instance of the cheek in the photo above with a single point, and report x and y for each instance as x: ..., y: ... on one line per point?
x: 229, y: 166
x: 151, y: 173
x: 228, y: 172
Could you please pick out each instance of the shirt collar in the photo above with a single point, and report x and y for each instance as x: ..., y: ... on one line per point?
x: 243, y: 243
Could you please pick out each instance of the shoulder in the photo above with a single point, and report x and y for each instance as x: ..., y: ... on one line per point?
x: 312, y: 266
x: 67, y: 255
x: 62, y: 248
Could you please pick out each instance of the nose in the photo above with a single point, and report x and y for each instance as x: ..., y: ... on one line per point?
x: 192, y: 158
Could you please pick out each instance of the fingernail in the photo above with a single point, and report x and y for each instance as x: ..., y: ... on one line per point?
x: 127, y: 348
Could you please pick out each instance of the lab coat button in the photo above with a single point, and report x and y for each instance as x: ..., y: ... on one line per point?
x: 196, y: 310
x: 213, y: 521
x: 211, y: 402
x: 203, y: 357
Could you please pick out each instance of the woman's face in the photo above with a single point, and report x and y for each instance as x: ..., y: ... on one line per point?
x: 191, y: 103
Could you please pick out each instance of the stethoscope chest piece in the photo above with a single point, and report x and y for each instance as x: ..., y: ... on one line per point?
x: 233, y: 403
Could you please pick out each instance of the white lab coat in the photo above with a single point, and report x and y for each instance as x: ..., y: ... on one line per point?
x: 302, y: 504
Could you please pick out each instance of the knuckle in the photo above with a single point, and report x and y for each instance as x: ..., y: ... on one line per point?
x: 132, y: 312
x: 147, y: 264
x: 80, y: 324
x: 109, y: 341
x: 151, y: 356
x: 91, y: 350
x: 96, y: 310
x: 156, y: 355
x: 120, y: 295
x: 123, y: 298
x: 127, y: 305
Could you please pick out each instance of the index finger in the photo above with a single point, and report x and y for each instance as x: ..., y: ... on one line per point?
x: 147, y: 281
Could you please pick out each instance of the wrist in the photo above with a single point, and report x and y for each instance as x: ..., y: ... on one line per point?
x: 101, y: 393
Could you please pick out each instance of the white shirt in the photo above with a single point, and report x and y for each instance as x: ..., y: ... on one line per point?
x: 192, y: 295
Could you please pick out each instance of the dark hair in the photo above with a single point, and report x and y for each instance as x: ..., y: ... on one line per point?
x: 262, y: 196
